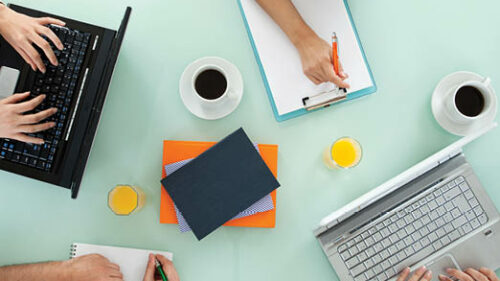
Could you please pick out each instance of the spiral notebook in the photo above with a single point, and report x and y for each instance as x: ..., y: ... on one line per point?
x: 132, y: 262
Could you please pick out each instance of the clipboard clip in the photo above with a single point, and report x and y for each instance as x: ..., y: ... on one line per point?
x: 324, y: 99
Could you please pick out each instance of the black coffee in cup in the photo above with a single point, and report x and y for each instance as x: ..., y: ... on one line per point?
x: 210, y: 84
x: 469, y: 101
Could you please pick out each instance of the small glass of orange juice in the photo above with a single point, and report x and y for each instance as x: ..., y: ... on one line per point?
x: 124, y: 200
x: 344, y: 153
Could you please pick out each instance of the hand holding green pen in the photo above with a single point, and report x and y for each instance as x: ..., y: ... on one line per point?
x: 160, y: 268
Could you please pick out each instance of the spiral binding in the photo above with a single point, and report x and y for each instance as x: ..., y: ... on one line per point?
x: 72, y: 253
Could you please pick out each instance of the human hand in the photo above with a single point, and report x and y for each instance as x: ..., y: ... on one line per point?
x: 316, y: 57
x: 22, y: 31
x: 91, y: 268
x: 470, y: 274
x: 14, y: 125
x: 421, y: 274
x: 167, y: 266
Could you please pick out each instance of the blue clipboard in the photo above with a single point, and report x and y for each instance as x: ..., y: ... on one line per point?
x: 351, y: 96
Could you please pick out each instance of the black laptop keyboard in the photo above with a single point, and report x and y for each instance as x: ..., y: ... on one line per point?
x: 59, y: 84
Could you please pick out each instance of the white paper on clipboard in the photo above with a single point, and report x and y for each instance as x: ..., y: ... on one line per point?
x: 281, y: 61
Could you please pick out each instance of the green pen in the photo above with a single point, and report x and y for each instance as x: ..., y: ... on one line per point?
x: 158, y: 267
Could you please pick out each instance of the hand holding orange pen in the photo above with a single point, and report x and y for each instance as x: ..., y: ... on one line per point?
x: 335, y: 54
x: 335, y: 58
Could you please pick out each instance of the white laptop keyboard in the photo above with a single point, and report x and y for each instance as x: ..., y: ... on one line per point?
x: 413, y: 231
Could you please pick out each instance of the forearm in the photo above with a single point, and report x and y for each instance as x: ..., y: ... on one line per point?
x: 288, y: 18
x: 48, y: 271
x: 3, y: 11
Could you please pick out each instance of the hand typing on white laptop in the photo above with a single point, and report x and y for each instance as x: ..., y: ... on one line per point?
x: 470, y: 274
x: 421, y: 274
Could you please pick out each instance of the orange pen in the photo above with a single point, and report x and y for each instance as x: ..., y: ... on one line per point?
x: 335, y: 54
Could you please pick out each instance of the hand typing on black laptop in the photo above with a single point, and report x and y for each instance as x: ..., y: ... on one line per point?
x: 22, y: 32
x: 15, y: 125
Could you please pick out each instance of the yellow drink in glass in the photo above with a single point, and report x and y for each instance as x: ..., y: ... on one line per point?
x: 344, y: 153
x: 124, y: 200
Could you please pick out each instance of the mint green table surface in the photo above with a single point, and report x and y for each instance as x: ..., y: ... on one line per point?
x: 410, y: 45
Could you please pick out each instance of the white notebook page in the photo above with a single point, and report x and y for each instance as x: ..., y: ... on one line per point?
x: 281, y: 61
x: 132, y: 262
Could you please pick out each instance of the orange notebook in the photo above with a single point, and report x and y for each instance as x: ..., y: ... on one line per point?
x: 175, y: 151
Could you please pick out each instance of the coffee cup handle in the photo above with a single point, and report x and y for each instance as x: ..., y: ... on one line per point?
x: 486, y: 81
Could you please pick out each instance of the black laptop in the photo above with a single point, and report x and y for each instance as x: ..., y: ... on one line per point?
x: 77, y: 87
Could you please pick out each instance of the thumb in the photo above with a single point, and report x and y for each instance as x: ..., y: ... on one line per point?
x: 149, y: 275
x: 404, y: 274
x: 168, y: 267
x: 15, y: 98
x: 443, y: 278
x: 164, y: 261
x: 342, y: 74
x: 332, y: 77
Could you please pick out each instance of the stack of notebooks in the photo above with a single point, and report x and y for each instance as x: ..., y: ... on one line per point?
x: 206, y: 184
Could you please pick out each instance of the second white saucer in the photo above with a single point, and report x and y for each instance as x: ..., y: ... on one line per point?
x: 439, y: 110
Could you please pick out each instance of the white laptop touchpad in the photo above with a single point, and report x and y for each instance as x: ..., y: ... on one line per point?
x: 439, y: 265
x: 8, y: 81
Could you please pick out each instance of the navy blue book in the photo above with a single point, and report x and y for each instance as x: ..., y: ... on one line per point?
x: 220, y: 183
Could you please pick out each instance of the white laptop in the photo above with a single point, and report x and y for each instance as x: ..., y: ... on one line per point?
x: 435, y: 214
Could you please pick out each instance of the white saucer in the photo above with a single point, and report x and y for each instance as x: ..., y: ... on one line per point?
x: 438, y: 106
x: 189, y: 96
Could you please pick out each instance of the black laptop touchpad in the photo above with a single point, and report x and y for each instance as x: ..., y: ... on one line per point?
x: 9, y: 57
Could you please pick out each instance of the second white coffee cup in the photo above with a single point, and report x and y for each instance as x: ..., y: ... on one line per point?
x: 482, y: 87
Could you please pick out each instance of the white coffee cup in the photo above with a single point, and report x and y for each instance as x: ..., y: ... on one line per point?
x: 454, y: 113
x: 212, y: 103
